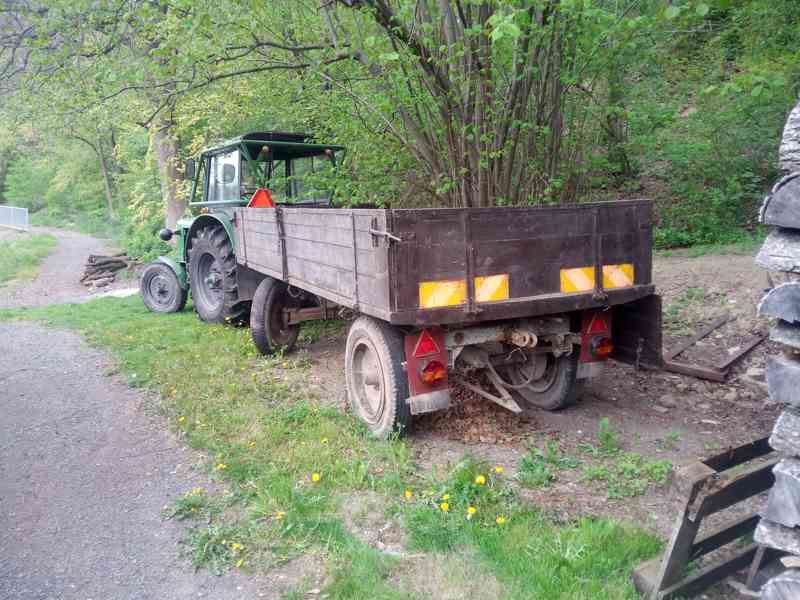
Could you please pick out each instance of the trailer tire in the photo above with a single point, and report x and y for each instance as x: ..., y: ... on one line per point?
x: 377, y: 386
x: 161, y: 291
x: 266, y: 317
x: 558, y: 388
x: 212, y: 277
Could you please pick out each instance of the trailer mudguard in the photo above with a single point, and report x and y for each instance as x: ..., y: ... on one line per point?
x: 636, y: 332
x: 177, y: 268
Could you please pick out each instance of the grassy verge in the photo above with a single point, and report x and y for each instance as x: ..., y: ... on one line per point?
x: 289, y: 464
x: 21, y: 256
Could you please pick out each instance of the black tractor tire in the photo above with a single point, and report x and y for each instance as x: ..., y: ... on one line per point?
x: 266, y: 317
x: 558, y: 388
x: 212, y: 277
x: 377, y: 386
x: 161, y: 291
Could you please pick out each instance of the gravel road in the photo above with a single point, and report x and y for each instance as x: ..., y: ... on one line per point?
x: 57, y: 281
x: 86, y: 469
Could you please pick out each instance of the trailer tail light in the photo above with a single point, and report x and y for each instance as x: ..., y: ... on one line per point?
x: 426, y: 361
x: 596, y: 343
x: 433, y: 372
x: 601, y: 347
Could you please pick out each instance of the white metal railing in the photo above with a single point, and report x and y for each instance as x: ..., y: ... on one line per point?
x: 14, y: 217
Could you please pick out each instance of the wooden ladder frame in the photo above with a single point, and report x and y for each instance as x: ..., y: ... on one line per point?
x: 708, y: 489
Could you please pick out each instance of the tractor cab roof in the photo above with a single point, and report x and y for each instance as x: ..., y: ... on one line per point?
x: 281, y: 145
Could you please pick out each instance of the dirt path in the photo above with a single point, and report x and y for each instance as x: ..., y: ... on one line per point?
x: 84, y: 476
x: 57, y: 281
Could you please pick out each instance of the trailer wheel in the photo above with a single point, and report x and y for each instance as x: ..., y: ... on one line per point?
x: 161, y: 291
x: 377, y: 387
x: 266, y: 317
x: 212, y: 277
x: 558, y: 386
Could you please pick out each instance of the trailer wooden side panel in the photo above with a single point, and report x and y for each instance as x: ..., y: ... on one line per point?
x: 434, y: 266
x: 329, y: 252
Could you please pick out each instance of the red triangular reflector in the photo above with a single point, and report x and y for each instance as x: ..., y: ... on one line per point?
x: 425, y: 345
x: 599, y: 323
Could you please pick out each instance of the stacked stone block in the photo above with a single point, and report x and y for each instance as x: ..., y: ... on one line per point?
x: 779, y: 527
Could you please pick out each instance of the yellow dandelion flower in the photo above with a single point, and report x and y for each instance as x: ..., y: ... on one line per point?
x: 471, y: 510
x: 285, y: 365
x: 239, y: 563
x: 279, y: 515
x: 446, y: 497
x: 181, y: 419
x: 252, y: 444
x: 236, y: 546
x: 221, y: 467
x: 480, y: 480
x: 499, y: 470
x: 500, y: 520
x: 198, y: 491
x: 315, y: 477
x: 444, y: 506
x: 408, y: 494
x: 324, y: 440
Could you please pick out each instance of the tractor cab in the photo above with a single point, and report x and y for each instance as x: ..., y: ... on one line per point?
x: 265, y: 168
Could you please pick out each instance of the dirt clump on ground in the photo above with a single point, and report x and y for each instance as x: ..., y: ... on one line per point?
x: 364, y: 516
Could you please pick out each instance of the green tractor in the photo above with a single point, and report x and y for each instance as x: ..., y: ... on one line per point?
x: 255, y: 169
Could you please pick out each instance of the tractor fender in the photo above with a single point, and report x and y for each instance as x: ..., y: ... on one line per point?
x: 203, y: 221
x: 177, y: 268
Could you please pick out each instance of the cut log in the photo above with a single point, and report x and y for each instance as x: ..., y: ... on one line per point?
x: 783, y: 505
x: 785, y: 586
x: 102, y: 282
x: 777, y: 536
x: 787, y: 334
x: 783, y: 380
x: 782, y: 302
x: 781, y: 251
x: 786, y: 433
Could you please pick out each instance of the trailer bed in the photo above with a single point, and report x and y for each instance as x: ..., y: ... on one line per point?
x: 447, y: 266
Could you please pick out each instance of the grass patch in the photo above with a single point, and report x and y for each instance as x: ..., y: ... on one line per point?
x: 266, y: 437
x: 539, y: 468
x: 20, y: 258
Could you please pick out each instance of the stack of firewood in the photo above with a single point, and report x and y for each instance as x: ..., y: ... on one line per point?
x: 101, y: 270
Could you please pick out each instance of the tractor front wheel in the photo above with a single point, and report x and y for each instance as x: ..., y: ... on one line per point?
x: 161, y: 291
x: 212, y: 277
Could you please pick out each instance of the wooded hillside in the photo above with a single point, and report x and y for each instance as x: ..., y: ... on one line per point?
x: 440, y: 102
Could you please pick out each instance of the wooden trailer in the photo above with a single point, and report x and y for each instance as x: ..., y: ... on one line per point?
x: 517, y: 304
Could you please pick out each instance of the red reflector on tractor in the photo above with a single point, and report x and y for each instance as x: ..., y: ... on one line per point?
x: 602, y: 347
x: 434, y: 371
x: 425, y: 345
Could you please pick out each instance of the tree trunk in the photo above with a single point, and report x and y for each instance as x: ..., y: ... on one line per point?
x: 165, y: 146
x: 106, y: 179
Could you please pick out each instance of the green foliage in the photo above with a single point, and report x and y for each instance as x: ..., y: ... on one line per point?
x: 539, y: 468
x: 21, y: 255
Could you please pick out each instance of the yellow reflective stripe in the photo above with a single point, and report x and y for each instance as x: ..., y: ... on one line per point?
x: 491, y: 288
x: 433, y: 294
x: 617, y: 276
x: 581, y: 279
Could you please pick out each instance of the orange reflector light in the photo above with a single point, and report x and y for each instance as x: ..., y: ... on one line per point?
x: 434, y: 371
x: 425, y: 345
x: 602, y: 347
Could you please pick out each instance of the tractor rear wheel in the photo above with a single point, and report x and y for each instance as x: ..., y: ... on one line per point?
x: 267, y: 327
x: 161, y: 291
x: 212, y: 277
